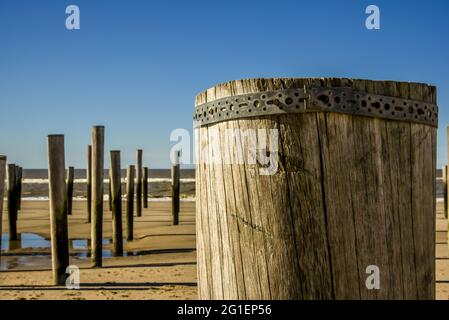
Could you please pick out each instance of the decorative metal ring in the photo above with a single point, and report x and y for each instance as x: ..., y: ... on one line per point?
x: 316, y: 99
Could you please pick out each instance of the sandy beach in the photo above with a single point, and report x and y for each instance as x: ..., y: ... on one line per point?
x: 161, y: 262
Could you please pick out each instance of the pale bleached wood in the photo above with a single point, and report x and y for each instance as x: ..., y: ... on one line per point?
x: 203, y: 243
x: 423, y: 211
x: 214, y: 231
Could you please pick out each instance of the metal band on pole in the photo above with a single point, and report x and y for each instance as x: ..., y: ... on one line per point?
x: 317, y: 99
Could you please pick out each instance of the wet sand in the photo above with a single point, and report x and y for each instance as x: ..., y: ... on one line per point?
x: 164, y: 269
x: 442, y: 255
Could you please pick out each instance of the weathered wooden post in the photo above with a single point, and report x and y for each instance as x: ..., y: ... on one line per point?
x: 89, y: 183
x: 109, y: 191
x: 58, y: 208
x: 97, y: 194
x: 70, y: 178
x: 445, y: 190
x: 307, y: 187
x: 19, y: 174
x: 145, y: 187
x: 139, y: 183
x: 12, y: 201
x: 175, y: 185
x: 2, y: 192
x: 130, y: 203
x: 116, y: 192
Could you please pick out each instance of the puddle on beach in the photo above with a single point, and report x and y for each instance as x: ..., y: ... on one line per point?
x: 24, y: 252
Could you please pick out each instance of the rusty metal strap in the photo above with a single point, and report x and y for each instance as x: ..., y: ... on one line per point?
x: 317, y: 99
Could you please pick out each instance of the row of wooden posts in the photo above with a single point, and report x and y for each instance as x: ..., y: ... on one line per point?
x: 61, y: 195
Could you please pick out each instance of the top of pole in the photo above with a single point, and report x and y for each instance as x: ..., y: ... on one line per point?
x: 250, y: 98
x: 2, y: 157
x: 175, y: 157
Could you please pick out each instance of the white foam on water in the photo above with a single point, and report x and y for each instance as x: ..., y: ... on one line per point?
x: 162, y: 199
x: 124, y: 180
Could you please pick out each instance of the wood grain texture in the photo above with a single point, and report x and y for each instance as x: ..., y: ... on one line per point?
x: 350, y: 192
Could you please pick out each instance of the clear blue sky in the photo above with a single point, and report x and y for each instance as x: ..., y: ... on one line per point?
x: 136, y: 66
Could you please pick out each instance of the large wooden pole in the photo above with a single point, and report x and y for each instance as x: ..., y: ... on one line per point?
x: 445, y: 190
x: 116, y: 192
x: 139, y: 183
x: 130, y: 203
x: 97, y: 194
x: 349, y: 196
x: 58, y: 209
x: 12, y: 202
x: 145, y: 187
x: 2, y: 191
x: 89, y: 183
x: 70, y: 178
x: 175, y: 188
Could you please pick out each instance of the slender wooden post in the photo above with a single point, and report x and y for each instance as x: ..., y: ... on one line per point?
x: 447, y: 173
x: 145, y: 187
x: 12, y: 202
x: 58, y: 209
x: 109, y: 190
x: 97, y: 194
x: 19, y: 174
x: 70, y: 177
x: 130, y: 203
x: 175, y: 188
x: 116, y: 192
x: 89, y: 183
x: 139, y: 183
x: 445, y: 190
x: 2, y: 191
